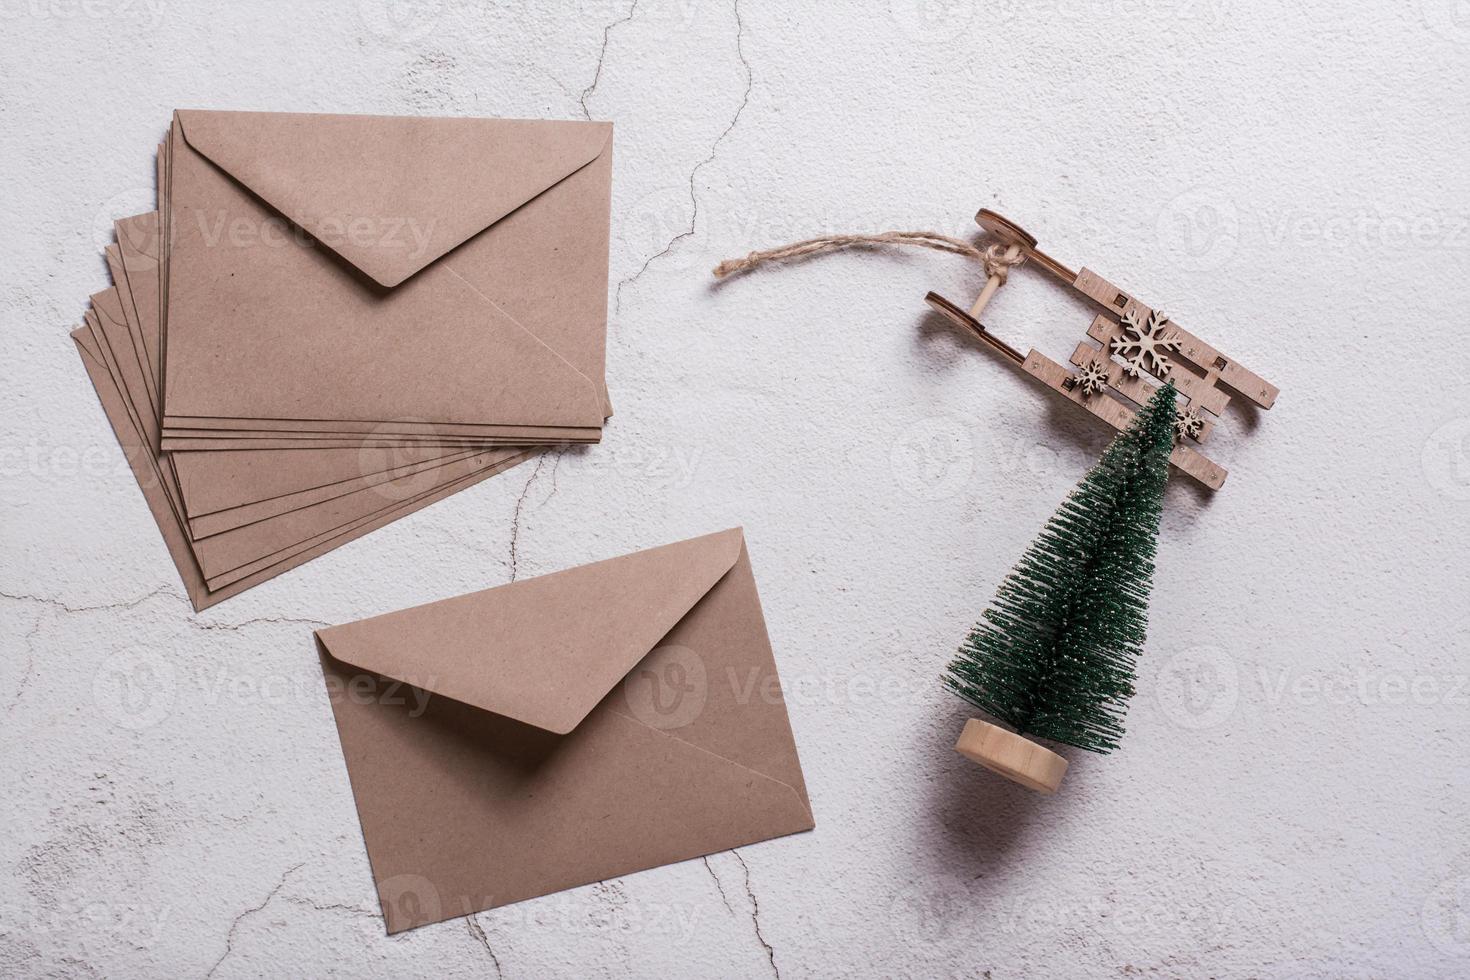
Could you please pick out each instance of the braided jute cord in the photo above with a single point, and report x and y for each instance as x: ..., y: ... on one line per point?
x: 998, y: 259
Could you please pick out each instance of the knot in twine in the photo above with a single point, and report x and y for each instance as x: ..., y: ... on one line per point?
x: 997, y: 259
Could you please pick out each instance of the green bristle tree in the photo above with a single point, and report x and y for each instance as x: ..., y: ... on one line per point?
x: 1054, y: 654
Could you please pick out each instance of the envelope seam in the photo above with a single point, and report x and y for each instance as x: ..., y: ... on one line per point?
x: 529, y: 333
x: 722, y: 758
x: 228, y: 171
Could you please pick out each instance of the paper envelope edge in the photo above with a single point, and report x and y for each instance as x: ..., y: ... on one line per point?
x: 797, y: 818
x: 794, y: 816
x: 149, y: 479
x: 206, y: 141
x: 347, y: 644
x: 588, y: 398
x: 728, y: 552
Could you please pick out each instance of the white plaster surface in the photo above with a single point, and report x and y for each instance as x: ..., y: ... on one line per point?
x: 1289, y: 181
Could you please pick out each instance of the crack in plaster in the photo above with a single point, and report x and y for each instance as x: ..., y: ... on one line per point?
x: 755, y: 916
x: 278, y: 620
x: 694, y: 173
x: 601, y: 57
x: 718, y: 885
x: 29, y: 669
x: 235, y: 924
x: 332, y: 907
x: 68, y: 608
x: 515, y: 520
x: 478, y: 931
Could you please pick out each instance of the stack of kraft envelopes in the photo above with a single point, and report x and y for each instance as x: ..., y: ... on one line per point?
x: 332, y: 321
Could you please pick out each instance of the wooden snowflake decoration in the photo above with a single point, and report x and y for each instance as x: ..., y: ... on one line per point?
x: 1092, y: 377
x: 1143, y: 346
x: 1188, y: 422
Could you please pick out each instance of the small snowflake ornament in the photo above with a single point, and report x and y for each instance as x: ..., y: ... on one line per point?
x: 1093, y: 377
x: 1188, y: 422
x: 1143, y: 345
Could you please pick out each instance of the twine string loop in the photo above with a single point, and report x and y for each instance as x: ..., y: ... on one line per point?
x: 997, y: 259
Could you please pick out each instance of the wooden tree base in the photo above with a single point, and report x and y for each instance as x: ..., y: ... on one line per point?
x: 1013, y: 756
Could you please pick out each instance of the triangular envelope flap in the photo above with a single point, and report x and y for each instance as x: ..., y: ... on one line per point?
x: 546, y: 650
x: 390, y: 194
x: 108, y: 303
x: 137, y: 235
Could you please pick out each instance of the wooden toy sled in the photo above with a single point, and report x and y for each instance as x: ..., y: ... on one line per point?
x: 1133, y: 344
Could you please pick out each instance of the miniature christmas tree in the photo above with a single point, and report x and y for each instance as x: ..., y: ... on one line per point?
x: 1054, y: 655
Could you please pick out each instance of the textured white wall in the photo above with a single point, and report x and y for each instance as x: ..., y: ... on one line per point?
x: 1290, y: 182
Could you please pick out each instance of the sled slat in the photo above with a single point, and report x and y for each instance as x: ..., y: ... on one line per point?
x: 1118, y: 415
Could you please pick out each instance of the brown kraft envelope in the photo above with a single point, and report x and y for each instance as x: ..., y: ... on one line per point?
x: 234, y: 554
x: 564, y: 730
x: 216, y: 481
x: 221, y: 481
x: 152, y: 477
x: 452, y: 271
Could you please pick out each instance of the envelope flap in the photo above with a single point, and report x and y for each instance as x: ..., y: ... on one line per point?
x: 390, y: 194
x: 545, y: 650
